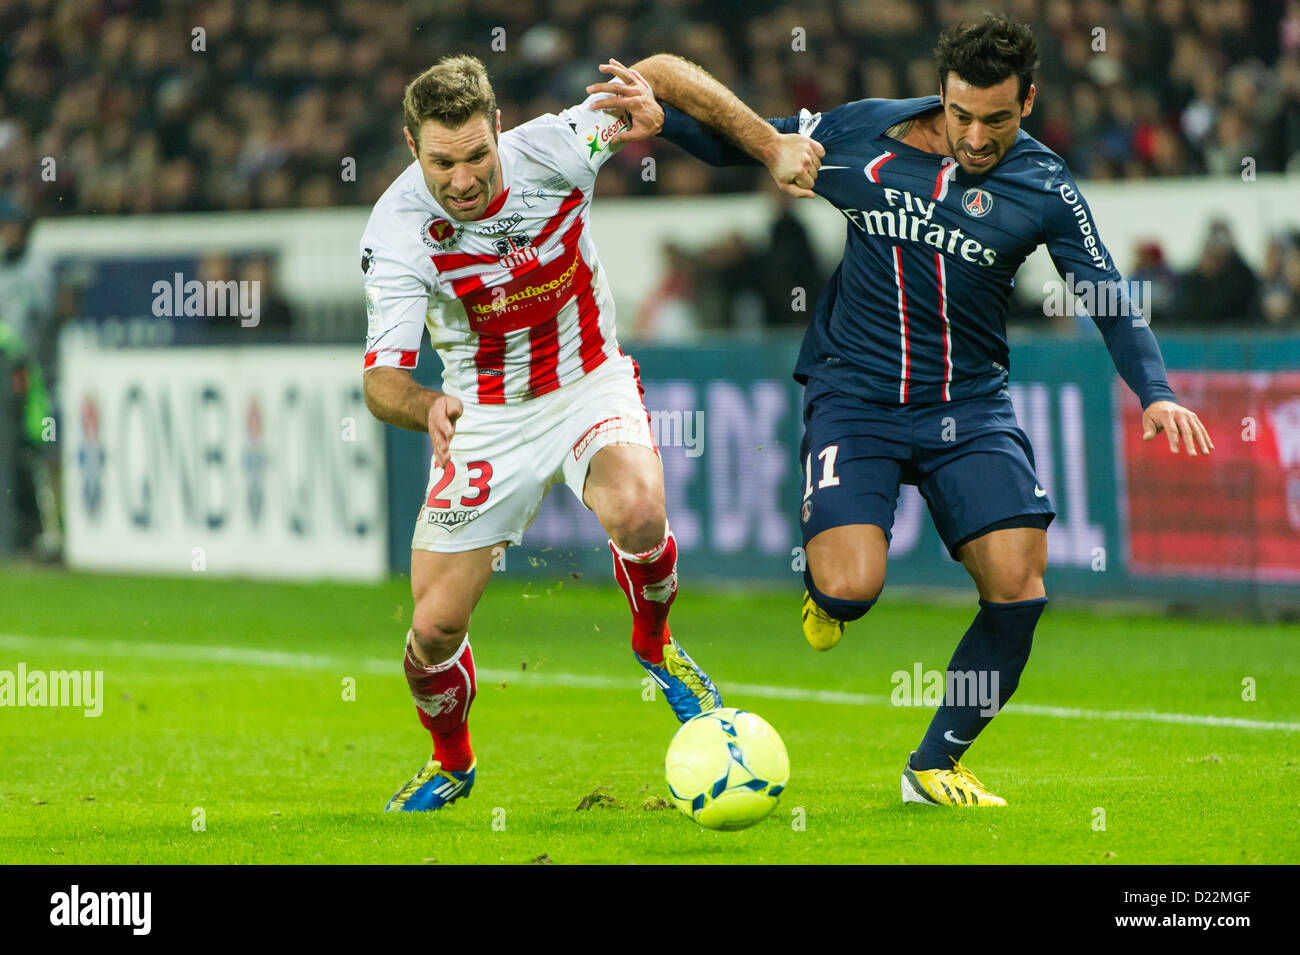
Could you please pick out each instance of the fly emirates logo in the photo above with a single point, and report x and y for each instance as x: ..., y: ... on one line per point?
x: 910, y: 219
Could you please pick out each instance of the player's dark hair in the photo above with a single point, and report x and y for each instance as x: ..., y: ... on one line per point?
x: 986, y: 53
x: 451, y: 92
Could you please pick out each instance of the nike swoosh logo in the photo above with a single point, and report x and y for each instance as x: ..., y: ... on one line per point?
x: 1039, y: 492
x: 833, y: 167
x: 947, y: 734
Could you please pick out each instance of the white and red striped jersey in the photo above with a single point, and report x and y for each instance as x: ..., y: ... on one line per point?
x: 516, y: 302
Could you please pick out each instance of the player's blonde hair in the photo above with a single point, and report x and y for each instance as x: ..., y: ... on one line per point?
x: 451, y: 92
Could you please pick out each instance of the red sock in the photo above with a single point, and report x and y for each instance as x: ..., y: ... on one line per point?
x: 443, y: 694
x: 649, y: 581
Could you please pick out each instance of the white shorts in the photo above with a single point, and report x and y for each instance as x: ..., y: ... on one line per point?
x: 504, y: 458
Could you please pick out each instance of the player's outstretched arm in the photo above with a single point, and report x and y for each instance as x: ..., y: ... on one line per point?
x: 1137, y: 358
x: 1181, y: 426
x: 394, y: 398
x: 1085, y: 264
x: 793, y: 160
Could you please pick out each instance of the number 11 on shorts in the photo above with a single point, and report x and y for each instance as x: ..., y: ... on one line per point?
x: 829, y: 478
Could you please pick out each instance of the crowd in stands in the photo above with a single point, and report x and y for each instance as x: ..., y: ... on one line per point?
x: 152, y: 106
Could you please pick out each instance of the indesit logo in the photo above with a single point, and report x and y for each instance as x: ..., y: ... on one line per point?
x: 75, y: 907
x: 1090, y: 242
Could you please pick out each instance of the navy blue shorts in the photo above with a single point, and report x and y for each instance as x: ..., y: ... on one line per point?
x: 969, y: 458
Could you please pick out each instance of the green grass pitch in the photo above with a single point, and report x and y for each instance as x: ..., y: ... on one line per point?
x: 226, y: 735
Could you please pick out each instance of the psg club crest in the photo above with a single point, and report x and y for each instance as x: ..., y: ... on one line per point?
x: 977, y: 202
x: 439, y: 234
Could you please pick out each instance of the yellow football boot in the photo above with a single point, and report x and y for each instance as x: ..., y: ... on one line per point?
x: 822, y: 630
x: 946, y: 787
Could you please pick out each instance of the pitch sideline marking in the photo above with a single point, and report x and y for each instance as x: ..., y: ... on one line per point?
x: 315, y: 661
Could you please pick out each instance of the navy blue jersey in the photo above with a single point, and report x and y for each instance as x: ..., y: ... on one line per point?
x: 916, y: 310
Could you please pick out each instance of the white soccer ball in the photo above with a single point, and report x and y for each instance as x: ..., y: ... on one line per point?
x: 726, y: 768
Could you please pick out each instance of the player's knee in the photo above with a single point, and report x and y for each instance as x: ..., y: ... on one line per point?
x: 846, y: 609
x: 636, y: 521
x: 1015, y: 585
x: 437, y: 632
x: 842, y: 581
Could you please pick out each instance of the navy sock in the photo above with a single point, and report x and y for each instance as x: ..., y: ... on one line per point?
x: 845, y: 610
x: 995, y: 647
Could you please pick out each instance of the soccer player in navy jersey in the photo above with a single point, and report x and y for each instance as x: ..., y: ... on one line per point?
x: 906, y: 361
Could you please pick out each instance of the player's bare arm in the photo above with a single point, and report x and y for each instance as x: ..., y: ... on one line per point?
x: 394, y: 398
x: 793, y: 160
x: 634, y: 99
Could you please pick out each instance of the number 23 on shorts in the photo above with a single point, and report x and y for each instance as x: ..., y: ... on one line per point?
x: 480, y: 475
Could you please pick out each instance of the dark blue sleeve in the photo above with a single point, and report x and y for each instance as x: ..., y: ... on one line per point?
x: 1089, y: 273
x: 708, y: 144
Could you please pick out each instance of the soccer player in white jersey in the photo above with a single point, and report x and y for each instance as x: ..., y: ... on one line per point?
x: 484, y: 241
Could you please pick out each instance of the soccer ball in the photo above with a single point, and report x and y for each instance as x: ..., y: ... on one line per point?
x: 726, y: 768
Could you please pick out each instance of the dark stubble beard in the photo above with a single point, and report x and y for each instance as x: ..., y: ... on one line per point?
x: 953, y: 148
